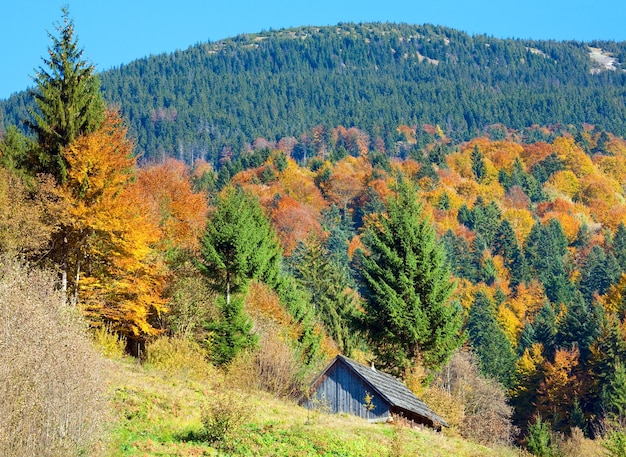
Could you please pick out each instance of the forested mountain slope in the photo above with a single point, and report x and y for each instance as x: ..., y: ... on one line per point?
x: 192, y: 103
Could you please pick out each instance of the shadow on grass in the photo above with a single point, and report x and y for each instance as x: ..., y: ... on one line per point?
x: 192, y: 436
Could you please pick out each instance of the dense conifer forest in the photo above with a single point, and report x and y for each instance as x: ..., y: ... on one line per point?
x: 192, y: 103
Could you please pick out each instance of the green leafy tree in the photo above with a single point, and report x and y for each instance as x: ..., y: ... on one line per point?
x: 409, y: 317
x: 68, y: 100
x: 239, y: 244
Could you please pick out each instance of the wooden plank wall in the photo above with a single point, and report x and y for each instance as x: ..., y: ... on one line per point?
x: 342, y: 392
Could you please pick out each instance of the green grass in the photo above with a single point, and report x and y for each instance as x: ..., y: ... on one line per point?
x: 159, y: 414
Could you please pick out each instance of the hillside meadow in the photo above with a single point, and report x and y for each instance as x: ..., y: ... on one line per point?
x: 158, y: 412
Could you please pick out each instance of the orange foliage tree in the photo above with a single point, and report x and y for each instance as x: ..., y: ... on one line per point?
x: 294, y: 222
x: 105, y: 243
x: 347, y: 181
x: 560, y: 387
x: 173, y: 205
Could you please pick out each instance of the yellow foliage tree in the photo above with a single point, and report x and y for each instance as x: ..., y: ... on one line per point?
x: 299, y: 184
x: 510, y: 323
x: 529, y: 300
x: 573, y: 156
x: 106, y: 239
x: 347, y: 180
x: 565, y: 182
x: 521, y: 220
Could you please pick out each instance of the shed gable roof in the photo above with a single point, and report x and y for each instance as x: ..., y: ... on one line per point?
x: 390, y: 388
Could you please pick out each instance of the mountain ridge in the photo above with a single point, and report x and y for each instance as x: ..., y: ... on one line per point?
x: 374, y: 76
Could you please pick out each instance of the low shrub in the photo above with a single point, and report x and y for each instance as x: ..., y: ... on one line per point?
x: 273, y: 366
x: 223, y: 415
x: 485, y: 416
x: 110, y: 344
x: 52, y: 379
x: 178, y: 356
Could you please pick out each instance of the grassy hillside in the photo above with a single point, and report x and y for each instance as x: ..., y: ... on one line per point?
x: 159, y: 414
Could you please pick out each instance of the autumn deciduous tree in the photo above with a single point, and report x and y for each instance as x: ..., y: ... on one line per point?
x: 346, y: 181
x: 174, y: 206
x: 104, y: 246
x: 294, y: 222
x: 528, y: 374
x: 560, y: 388
x: 27, y: 218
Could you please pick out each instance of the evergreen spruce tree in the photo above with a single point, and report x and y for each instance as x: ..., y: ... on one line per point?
x: 478, y: 164
x: 608, y: 358
x: 546, y: 249
x: 239, y: 245
x: 335, y: 304
x: 545, y: 328
x: 598, y: 272
x: 68, y: 99
x: 505, y: 244
x: 614, y: 392
x: 539, y: 441
x: 580, y: 326
x: 14, y: 150
x: 461, y: 258
x: 527, y: 338
x: 409, y: 318
x: 496, y: 358
x: 231, y: 333
x: 619, y: 246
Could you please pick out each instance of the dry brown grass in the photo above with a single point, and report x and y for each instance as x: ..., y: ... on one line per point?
x: 52, y: 380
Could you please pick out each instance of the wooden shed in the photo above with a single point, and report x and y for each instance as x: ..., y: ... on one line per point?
x: 346, y: 386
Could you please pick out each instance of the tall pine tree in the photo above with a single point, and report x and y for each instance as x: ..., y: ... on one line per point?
x: 409, y: 316
x: 239, y: 244
x: 68, y: 99
x: 495, y: 353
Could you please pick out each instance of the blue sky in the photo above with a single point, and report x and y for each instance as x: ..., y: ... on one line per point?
x: 114, y: 32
